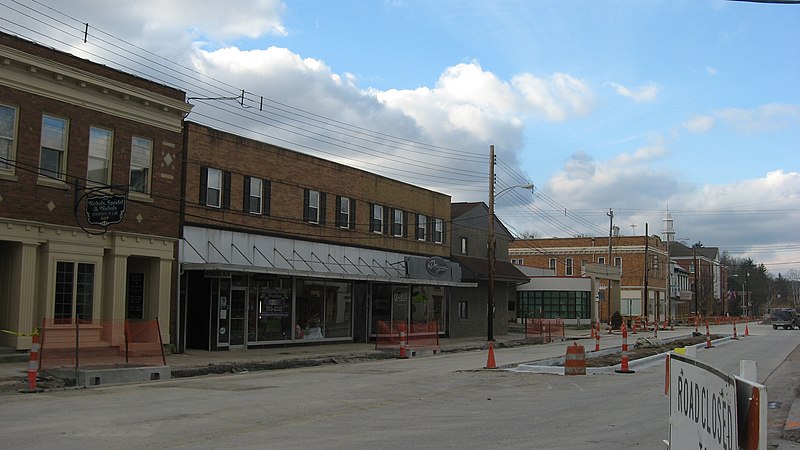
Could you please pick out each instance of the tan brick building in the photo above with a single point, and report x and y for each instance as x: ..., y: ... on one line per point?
x: 643, y: 262
x: 280, y: 247
x: 73, y: 131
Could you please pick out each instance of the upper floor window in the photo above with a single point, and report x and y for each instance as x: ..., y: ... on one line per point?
x: 398, y: 224
x: 53, y: 156
x: 141, y: 161
x: 215, y: 188
x: 552, y: 265
x: 618, y: 261
x: 438, y: 231
x: 314, y: 206
x: 345, y: 212
x: 601, y: 260
x: 463, y: 245
x: 100, y: 149
x: 568, y: 267
x: 256, y: 195
x: 8, y: 128
x: 376, y: 218
x: 421, y: 228
x: 518, y: 261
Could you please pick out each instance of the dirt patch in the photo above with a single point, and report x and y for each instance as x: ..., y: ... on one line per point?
x: 643, y: 351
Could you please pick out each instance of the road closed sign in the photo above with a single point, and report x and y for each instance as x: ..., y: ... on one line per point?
x: 702, y: 411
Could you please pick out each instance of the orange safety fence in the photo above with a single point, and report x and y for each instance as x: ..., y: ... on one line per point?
x: 424, y: 335
x: 720, y: 320
x: 388, y: 336
x: 548, y: 329
x: 100, y: 343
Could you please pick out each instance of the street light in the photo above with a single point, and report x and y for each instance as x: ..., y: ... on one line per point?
x: 491, y: 244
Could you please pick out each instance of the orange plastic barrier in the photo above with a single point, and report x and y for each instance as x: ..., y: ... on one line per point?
x: 575, y: 360
x: 100, y: 343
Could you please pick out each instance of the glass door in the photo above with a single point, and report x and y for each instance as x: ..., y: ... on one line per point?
x: 238, y: 305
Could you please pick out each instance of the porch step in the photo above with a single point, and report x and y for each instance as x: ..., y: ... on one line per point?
x: 9, y: 355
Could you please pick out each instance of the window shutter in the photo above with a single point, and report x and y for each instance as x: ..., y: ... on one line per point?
x: 429, y: 226
x: 203, y: 184
x: 226, y: 190
x: 352, y: 214
x: 323, y: 207
x: 306, y: 210
x: 339, y: 221
x: 444, y: 232
x: 267, y: 191
x: 386, y: 218
x: 246, y: 201
x: 416, y: 226
x: 373, y: 225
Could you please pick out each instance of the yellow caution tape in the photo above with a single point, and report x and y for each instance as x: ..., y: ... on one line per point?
x: 15, y: 333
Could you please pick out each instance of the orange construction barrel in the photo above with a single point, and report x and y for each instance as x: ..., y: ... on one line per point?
x: 575, y: 362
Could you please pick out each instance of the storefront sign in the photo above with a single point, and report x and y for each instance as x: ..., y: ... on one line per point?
x: 212, y: 273
x: 437, y: 267
x: 105, y: 210
x: 432, y: 268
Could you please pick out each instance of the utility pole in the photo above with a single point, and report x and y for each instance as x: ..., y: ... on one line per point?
x: 610, y: 215
x: 696, y: 269
x: 491, y: 255
x: 646, y: 299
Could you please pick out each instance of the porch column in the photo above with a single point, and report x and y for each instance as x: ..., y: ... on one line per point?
x: 26, y: 320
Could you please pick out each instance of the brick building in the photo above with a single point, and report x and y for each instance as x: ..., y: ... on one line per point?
x: 642, y: 261
x: 706, y: 278
x: 280, y: 247
x: 74, y: 132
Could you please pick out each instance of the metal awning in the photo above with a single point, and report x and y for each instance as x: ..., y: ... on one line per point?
x: 216, y: 267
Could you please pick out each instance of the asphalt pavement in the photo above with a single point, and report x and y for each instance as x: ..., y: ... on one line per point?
x: 200, y: 362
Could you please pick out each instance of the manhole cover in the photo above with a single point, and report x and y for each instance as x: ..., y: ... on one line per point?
x: 774, y: 405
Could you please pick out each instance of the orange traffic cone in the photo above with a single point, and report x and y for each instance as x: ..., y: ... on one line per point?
x: 746, y: 331
x: 403, y: 344
x: 490, y: 364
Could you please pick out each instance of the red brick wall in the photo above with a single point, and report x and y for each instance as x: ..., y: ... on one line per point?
x: 24, y: 199
x: 290, y: 173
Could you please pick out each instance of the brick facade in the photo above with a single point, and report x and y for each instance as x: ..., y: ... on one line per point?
x: 289, y: 174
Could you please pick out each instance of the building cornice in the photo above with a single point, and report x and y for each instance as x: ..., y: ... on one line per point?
x: 47, y: 78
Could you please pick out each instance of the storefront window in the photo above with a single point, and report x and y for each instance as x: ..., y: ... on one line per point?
x: 270, y: 309
x: 553, y: 304
x: 427, y: 304
x: 324, y: 309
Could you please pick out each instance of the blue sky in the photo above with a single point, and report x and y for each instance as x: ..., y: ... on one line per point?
x: 639, y: 106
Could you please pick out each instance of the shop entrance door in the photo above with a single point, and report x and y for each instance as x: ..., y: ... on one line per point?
x: 238, y: 317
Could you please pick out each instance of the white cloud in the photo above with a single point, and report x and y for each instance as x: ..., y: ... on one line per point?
x: 699, y: 124
x: 646, y: 93
x: 765, y: 118
x: 558, y: 97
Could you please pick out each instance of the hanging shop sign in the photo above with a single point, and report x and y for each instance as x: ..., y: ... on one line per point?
x: 105, y: 210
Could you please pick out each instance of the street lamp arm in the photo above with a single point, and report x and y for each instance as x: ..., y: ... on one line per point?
x: 526, y: 186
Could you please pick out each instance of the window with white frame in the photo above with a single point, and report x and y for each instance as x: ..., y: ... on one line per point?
x: 53, y: 153
x: 101, y: 142
x: 601, y: 260
x: 421, y: 228
x: 253, y: 191
x: 463, y: 245
x: 345, y: 212
x: 74, y: 292
x: 376, y: 219
x: 568, y: 267
x: 8, y: 131
x: 141, y: 161
x: 314, y: 206
x: 398, y: 224
x: 214, y: 187
x: 438, y: 231
x: 552, y: 264
x: 618, y: 261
